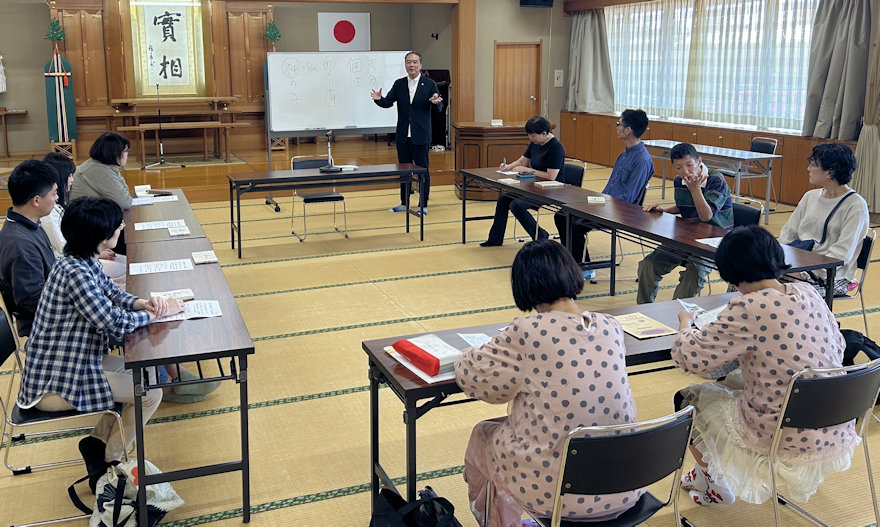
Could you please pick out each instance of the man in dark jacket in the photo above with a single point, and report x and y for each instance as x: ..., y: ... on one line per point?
x: 415, y: 96
x: 26, y: 255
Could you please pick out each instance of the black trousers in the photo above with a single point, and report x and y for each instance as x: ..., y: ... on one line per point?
x: 579, y: 230
x: 407, y: 152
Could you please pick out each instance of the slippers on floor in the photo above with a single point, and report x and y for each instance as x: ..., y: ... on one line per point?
x: 203, y: 388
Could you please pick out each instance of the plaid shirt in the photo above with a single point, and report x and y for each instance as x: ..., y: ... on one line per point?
x: 80, y: 310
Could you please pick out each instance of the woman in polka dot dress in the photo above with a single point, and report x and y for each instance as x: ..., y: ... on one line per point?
x: 559, y: 369
x: 773, y: 330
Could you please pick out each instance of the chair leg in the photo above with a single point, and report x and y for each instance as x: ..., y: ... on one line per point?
x: 865, y: 319
x: 783, y: 500
x: 344, y: 218
x: 871, y: 481
x: 488, y: 504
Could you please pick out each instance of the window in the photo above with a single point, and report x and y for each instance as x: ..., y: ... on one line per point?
x: 730, y: 61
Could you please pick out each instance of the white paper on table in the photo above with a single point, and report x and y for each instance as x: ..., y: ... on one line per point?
x: 164, y: 224
x: 157, y: 199
x: 508, y: 181
x: 595, y: 199
x: 145, y: 200
x: 703, y: 316
x: 436, y: 347
x: 204, y: 257
x: 475, y: 339
x: 178, y: 231
x: 141, y: 191
x: 412, y: 367
x: 507, y: 172
x: 710, y: 241
x: 183, y: 295
x: 195, y: 309
x: 160, y: 266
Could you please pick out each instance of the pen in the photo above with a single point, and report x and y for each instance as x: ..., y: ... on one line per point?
x: 504, y: 160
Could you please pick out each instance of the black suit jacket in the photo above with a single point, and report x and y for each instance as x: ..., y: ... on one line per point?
x: 416, y: 115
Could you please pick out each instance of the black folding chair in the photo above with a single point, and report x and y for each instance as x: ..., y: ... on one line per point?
x: 571, y: 174
x: 836, y: 396
x: 330, y: 196
x: 619, y: 458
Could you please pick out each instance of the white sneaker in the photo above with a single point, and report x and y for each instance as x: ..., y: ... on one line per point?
x: 589, y: 274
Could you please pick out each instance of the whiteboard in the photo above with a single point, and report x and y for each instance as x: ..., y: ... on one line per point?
x: 330, y: 90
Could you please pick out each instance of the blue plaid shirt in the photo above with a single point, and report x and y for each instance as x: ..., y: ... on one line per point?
x: 80, y: 310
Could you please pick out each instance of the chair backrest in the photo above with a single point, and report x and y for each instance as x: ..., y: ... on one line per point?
x: 310, y: 162
x: 864, y: 256
x: 829, y: 400
x: 8, y: 340
x: 571, y: 174
x: 643, y: 193
x: 633, y: 456
x: 764, y: 145
x: 745, y: 215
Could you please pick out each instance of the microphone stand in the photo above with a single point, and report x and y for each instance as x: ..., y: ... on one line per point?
x: 329, y: 167
x: 161, y: 162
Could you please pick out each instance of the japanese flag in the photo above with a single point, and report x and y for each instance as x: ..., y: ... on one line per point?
x: 343, y: 31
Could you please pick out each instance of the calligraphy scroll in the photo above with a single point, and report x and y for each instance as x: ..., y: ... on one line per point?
x: 168, y: 47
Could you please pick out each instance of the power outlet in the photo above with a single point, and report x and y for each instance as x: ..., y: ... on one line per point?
x: 557, y: 79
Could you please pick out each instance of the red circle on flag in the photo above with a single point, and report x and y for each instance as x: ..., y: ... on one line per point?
x: 344, y: 31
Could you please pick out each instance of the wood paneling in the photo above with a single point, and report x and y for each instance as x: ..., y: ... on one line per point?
x: 464, y: 65
x: 516, y: 93
x: 84, y: 49
x: 247, y: 53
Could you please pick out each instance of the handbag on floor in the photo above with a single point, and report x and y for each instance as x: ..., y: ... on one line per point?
x: 429, y: 510
x: 116, y: 497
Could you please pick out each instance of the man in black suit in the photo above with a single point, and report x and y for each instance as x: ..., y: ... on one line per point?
x: 415, y: 96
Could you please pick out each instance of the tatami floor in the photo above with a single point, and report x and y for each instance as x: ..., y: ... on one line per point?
x: 308, y: 306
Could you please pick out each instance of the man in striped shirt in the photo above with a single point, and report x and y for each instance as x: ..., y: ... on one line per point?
x: 701, y: 195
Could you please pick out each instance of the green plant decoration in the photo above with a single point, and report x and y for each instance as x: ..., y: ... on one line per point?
x: 55, y: 32
x: 272, y: 33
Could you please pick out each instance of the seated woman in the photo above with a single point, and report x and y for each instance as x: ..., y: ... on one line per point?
x: 773, y: 330
x: 79, y: 312
x: 100, y: 175
x: 557, y: 370
x: 831, y: 166
x: 544, y: 157
x: 114, y: 265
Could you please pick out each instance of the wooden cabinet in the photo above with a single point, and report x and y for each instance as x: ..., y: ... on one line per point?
x: 247, y: 52
x: 83, y: 47
x: 576, y: 134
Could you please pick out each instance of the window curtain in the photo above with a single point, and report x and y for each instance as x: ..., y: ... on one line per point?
x: 729, y: 61
x: 865, y: 179
x: 590, y: 85
x: 838, y: 69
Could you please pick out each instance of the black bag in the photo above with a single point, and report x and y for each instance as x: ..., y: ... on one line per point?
x: 856, y: 342
x: 429, y: 510
x: 806, y: 245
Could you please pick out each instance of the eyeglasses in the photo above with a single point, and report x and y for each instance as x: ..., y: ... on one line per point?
x: 622, y: 124
x: 121, y: 226
x: 812, y: 163
x: 413, y: 62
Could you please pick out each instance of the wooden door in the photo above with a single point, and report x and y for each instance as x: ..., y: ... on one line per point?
x: 247, y: 53
x: 517, y: 86
x: 84, y: 49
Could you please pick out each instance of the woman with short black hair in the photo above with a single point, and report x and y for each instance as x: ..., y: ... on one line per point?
x: 557, y: 370
x: 100, y: 175
x: 79, y: 312
x: 771, y: 331
x: 830, y: 166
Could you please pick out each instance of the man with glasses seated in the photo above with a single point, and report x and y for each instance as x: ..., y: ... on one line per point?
x: 631, y: 173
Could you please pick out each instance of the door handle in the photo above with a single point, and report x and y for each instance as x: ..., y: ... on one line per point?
x: 532, y: 98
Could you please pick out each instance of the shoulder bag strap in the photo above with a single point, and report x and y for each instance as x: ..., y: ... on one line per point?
x: 828, y: 219
x: 71, y: 491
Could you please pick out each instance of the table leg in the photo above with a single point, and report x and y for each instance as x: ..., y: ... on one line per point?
x: 159, y: 153
x: 738, y: 181
x: 142, y: 137
x: 5, y: 136
x: 138, y: 381
x: 463, y: 207
x: 374, y: 437
x: 829, y: 286
x: 245, y: 443
x: 422, y: 185
x: 767, y: 195
x: 613, y: 285
x: 238, y: 219
x: 205, y: 144
x: 409, y: 417
x: 231, y: 217
x: 663, y: 184
x: 408, y: 183
x: 226, y: 145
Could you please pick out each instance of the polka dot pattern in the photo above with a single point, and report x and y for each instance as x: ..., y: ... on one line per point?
x: 774, y: 335
x: 559, y: 371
